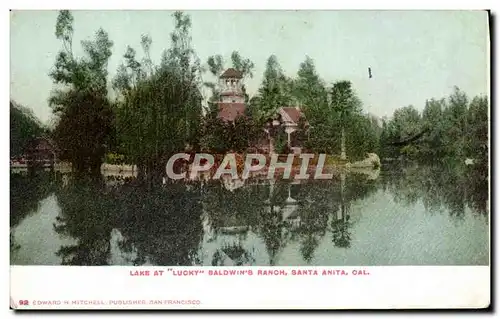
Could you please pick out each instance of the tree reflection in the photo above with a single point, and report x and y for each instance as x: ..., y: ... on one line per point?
x: 207, y: 223
x: 451, y: 185
x: 477, y: 188
x: 351, y: 187
x: 163, y: 225
x: 231, y: 215
x: 280, y: 212
x: 340, y: 225
x: 26, y: 193
x: 87, y: 215
x: 273, y: 227
x: 236, y: 208
x: 318, y: 200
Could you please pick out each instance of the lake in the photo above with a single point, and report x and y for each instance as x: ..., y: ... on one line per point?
x: 399, y: 215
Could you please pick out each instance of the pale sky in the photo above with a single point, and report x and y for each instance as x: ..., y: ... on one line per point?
x: 414, y: 55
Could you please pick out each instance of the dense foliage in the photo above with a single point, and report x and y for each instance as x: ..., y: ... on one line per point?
x: 24, y: 126
x: 455, y: 128
x: 158, y: 110
x: 81, y: 105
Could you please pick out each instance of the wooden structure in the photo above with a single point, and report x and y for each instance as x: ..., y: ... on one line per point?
x: 41, y: 153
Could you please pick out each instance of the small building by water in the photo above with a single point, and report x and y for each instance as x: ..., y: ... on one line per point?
x: 41, y: 152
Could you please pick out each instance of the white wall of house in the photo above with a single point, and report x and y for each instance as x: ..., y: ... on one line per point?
x: 230, y: 85
x: 231, y: 90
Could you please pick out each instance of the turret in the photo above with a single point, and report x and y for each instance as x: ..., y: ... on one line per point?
x: 231, y: 87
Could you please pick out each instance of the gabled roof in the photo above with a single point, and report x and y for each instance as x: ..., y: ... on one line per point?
x: 292, y: 114
x: 231, y: 73
x: 41, y: 144
x: 230, y: 111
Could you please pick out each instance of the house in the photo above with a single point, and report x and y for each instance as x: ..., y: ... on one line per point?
x: 290, y: 118
x: 41, y: 152
x: 232, y: 104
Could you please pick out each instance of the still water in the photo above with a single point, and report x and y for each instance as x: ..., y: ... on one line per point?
x: 401, y: 215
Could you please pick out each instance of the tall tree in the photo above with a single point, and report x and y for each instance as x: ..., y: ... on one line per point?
x: 159, y: 112
x: 432, y: 118
x: 274, y: 92
x: 345, y: 103
x: 181, y: 58
x: 361, y: 136
x: 84, y: 114
x: 309, y: 90
x: 310, y: 93
x: 215, y: 64
x: 476, y: 139
x: 456, y: 119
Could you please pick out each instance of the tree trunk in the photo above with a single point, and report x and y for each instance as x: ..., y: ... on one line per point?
x: 95, y: 168
x: 140, y: 171
x: 158, y: 172
x: 78, y: 167
x: 149, y: 173
x: 342, y: 199
x: 342, y: 145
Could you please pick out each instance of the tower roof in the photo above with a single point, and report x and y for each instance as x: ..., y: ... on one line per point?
x: 231, y: 73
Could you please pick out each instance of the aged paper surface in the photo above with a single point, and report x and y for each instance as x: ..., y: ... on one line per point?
x: 201, y: 151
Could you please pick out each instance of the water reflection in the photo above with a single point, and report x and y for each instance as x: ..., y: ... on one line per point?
x: 456, y: 188
x: 401, y: 215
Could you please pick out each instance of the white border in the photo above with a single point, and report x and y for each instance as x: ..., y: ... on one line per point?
x: 415, y: 287
x: 200, y: 4
x: 256, y: 5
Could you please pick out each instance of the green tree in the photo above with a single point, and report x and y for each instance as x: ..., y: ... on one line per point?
x: 84, y: 115
x: 451, y: 128
x: 476, y: 138
x: 432, y: 118
x: 361, y: 136
x: 345, y: 103
x: 455, y: 123
x: 24, y: 127
x: 310, y: 91
x: 274, y: 92
x: 159, y: 111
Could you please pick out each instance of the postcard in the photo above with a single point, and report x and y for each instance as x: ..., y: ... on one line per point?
x: 249, y: 159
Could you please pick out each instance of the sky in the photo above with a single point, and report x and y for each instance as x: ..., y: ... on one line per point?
x: 414, y: 55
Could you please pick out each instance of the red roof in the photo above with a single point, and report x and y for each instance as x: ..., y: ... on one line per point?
x: 230, y: 111
x: 231, y: 73
x: 294, y: 113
